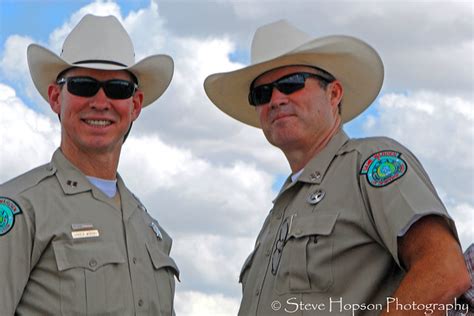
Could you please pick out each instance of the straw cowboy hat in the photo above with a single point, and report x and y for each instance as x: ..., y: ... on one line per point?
x: 350, y: 60
x: 100, y: 43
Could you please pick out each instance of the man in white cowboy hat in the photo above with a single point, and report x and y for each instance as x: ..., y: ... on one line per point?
x: 357, y: 228
x: 73, y: 239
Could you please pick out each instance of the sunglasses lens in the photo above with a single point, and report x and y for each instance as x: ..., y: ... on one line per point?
x: 287, y: 85
x: 119, y: 89
x: 88, y: 87
x: 82, y: 86
x: 290, y: 87
x: 261, y: 94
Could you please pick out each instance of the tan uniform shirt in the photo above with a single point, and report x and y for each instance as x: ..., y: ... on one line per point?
x: 329, y: 245
x: 70, y: 250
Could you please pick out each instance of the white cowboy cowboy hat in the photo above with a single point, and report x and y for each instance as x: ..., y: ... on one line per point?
x: 100, y: 43
x: 353, y: 62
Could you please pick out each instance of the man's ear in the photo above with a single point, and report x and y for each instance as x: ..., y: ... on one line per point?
x: 137, y: 104
x: 337, y: 92
x: 54, y: 95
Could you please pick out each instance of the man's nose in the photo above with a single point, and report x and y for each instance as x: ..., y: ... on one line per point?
x: 100, y: 101
x: 278, y: 98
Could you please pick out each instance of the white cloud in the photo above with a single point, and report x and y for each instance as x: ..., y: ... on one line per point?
x: 212, y: 263
x: 154, y: 40
x: 13, y: 63
x: 14, y: 66
x: 27, y: 138
x: 192, y: 303
x: 201, y: 194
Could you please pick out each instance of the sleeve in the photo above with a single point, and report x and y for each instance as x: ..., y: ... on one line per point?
x: 16, y: 245
x: 397, y: 192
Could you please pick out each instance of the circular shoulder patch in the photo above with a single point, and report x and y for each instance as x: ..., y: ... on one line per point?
x: 384, y: 167
x: 8, y: 210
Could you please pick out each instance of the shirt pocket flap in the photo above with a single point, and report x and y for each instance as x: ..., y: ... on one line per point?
x: 314, y: 224
x: 248, y: 262
x: 88, y: 255
x: 162, y: 260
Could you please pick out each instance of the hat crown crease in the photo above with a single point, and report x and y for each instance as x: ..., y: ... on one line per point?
x: 267, y: 43
x: 115, y: 43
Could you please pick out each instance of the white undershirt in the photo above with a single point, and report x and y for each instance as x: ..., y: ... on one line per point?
x: 108, y: 187
x: 296, y: 175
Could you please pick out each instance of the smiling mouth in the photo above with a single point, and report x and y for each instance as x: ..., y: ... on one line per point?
x: 98, y: 123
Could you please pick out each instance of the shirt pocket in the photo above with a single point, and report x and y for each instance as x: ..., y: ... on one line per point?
x: 244, y: 272
x: 91, y: 277
x: 164, y: 270
x: 306, y: 262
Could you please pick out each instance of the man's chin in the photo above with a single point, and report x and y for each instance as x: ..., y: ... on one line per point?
x: 102, y: 145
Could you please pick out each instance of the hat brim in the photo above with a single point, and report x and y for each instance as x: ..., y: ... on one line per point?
x: 154, y: 73
x: 350, y: 60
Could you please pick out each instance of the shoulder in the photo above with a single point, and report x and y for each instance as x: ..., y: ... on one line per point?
x: 16, y: 204
x: 370, y: 145
x: 27, y: 181
x: 371, y: 148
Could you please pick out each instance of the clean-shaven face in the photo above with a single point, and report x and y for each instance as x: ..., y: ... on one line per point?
x: 94, y: 123
x: 299, y: 118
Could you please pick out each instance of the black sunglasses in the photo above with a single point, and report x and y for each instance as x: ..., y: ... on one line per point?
x: 287, y: 84
x: 88, y: 87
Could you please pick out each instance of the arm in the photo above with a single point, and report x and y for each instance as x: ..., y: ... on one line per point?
x: 436, y: 271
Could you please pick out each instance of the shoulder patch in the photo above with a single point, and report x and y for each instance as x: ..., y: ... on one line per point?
x: 383, y: 167
x: 8, y: 210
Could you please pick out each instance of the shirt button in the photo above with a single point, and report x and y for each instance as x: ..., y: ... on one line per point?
x: 134, y: 260
x: 140, y: 302
x: 257, y: 292
x: 92, y: 263
x: 267, y: 254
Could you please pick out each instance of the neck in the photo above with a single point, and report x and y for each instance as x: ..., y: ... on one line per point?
x: 300, y: 155
x: 95, y: 164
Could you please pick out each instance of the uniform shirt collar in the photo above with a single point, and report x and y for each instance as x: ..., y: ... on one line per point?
x: 71, y: 179
x: 316, y: 168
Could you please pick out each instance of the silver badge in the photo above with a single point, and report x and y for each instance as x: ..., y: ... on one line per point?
x: 316, y: 197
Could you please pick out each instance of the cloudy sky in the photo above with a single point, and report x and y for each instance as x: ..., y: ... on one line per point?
x: 210, y: 180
